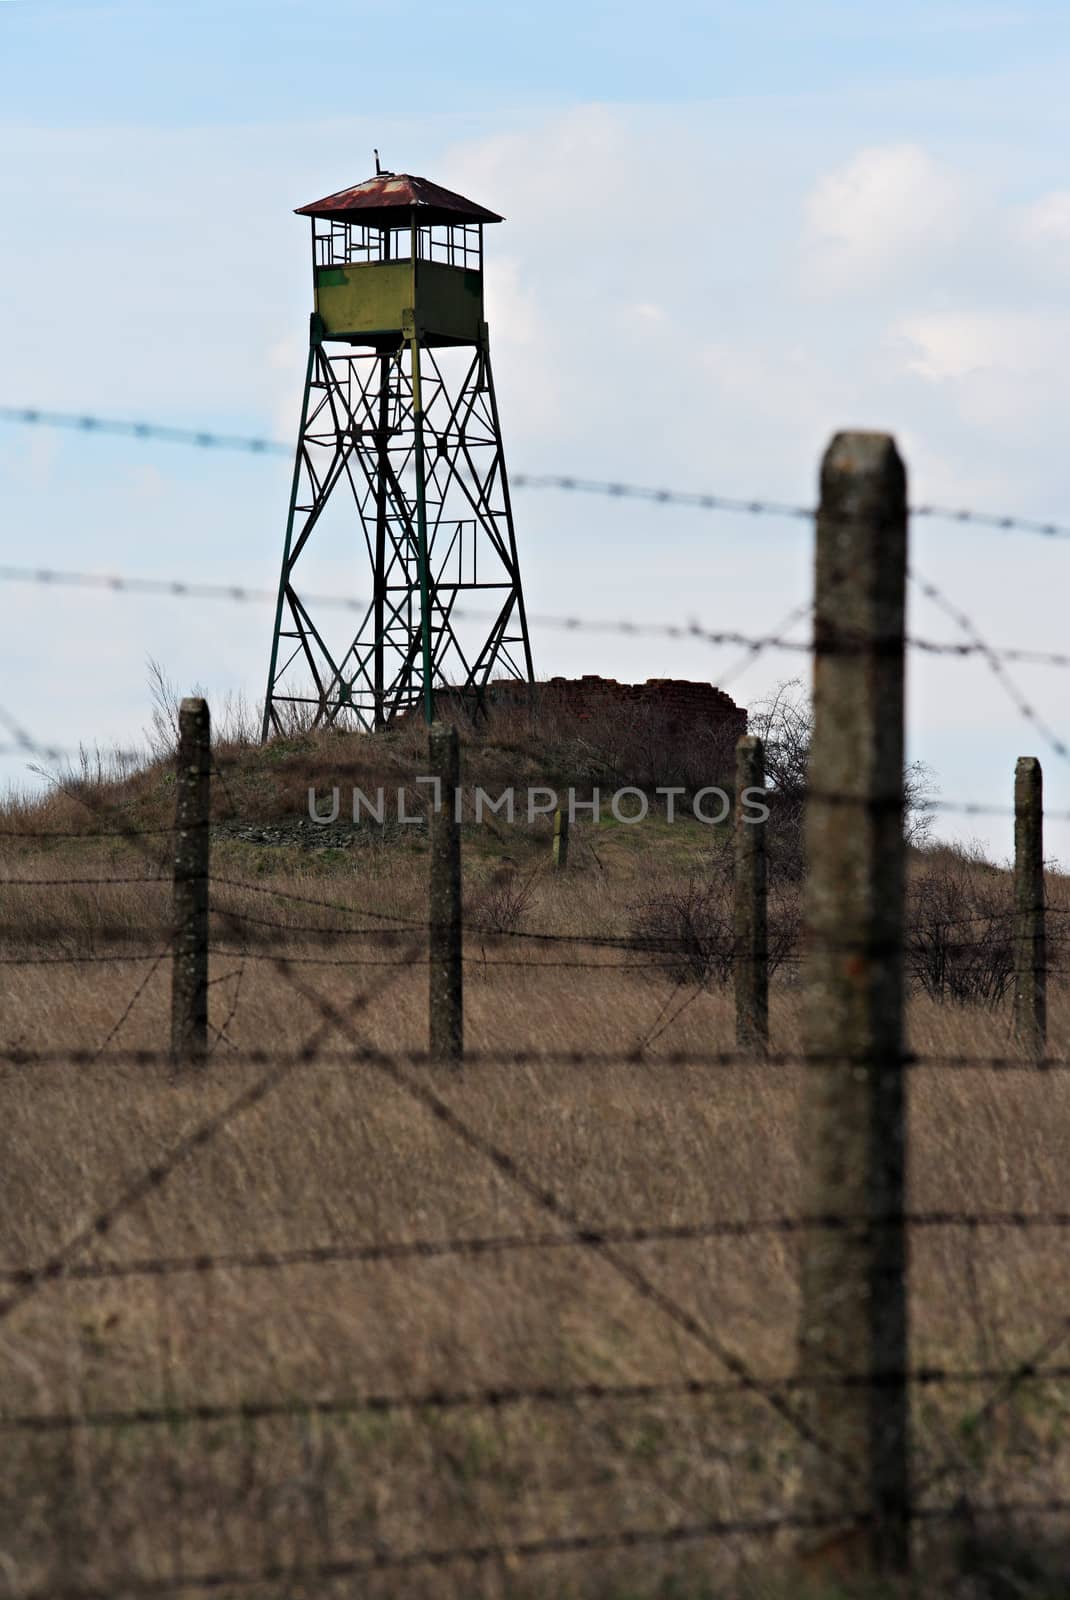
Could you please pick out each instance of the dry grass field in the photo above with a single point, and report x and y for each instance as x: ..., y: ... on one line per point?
x: 287, y: 1482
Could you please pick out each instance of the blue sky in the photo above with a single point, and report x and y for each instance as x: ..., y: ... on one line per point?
x: 732, y: 228
x: 190, y: 62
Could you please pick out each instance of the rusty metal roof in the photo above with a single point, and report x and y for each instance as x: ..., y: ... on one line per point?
x: 382, y: 197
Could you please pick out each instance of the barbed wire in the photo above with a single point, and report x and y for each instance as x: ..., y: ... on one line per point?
x: 221, y: 1034
x: 400, y: 1251
x: 24, y: 743
x: 54, y: 753
x: 75, y: 960
x: 755, y: 645
x: 994, y: 659
x: 26, y: 1057
x: 501, y: 1396
x: 569, y: 483
x: 91, y: 833
x: 272, y: 933
x: 82, y: 883
x: 506, y: 1551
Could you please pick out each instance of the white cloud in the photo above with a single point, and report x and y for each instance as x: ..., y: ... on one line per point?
x: 887, y: 207
x: 645, y: 311
x: 1046, y: 223
x: 570, y: 170
x: 999, y: 367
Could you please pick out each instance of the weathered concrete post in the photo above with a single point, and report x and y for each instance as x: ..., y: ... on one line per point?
x: 1030, y: 938
x: 854, y: 1303
x: 561, y: 837
x: 751, y: 954
x: 189, y: 963
x: 446, y: 929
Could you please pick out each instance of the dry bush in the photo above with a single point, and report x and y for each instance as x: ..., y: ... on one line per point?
x: 784, y: 722
x: 960, y: 929
x: 504, y: 904
x: 690, y: 926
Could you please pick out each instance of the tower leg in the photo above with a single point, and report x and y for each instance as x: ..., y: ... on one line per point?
x: 270, y: 717
x: 503, y: 478
x: 420, y: 466
x: 379, y: 577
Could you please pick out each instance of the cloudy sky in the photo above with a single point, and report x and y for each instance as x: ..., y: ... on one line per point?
x: 733, y: 227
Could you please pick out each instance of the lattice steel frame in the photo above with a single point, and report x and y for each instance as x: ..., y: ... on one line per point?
x: 424, y: 467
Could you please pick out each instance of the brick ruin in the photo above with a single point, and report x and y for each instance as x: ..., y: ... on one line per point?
x: 679, y: 706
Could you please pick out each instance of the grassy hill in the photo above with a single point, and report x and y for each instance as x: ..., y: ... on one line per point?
x: 254, y: 1272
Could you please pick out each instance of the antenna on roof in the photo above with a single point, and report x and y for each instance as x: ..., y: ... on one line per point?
x: 378, y: 168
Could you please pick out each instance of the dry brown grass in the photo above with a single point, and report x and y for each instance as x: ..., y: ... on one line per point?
x: 337, y: 1154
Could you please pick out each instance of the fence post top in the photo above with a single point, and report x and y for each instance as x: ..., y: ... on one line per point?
x: 856, y: 453
x: 194, y: 706
x: 860, y: 448
x: 1027, y: 764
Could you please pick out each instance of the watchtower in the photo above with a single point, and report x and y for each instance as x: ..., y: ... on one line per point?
x: 399, y: 421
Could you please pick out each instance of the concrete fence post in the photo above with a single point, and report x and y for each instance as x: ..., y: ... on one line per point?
x: 751, y: 953
x: 446, y: 936
x: 560, y: 856
x: 1030, y: 936
x: 189, y: 951
x: 853, y: 1155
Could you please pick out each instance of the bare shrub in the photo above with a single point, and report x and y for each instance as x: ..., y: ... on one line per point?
x: 785, y: 724
x: 960, y: 929
x: 504, y: 903
x: 690, y: 926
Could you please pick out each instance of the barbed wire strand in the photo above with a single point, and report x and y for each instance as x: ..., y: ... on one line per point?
x: 177, y: 588
x: 502, y: 1396
x: 399, y: 1251
x: 504, y: 1551
x: 259, y: 445
x: 25, y: 1057
x: 995, y: 664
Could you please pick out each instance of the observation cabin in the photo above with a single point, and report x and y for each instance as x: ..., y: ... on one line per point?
x: 398, y: 258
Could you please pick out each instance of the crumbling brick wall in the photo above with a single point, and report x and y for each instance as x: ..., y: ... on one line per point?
x: 663, y: 731
x: 678, y: 705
